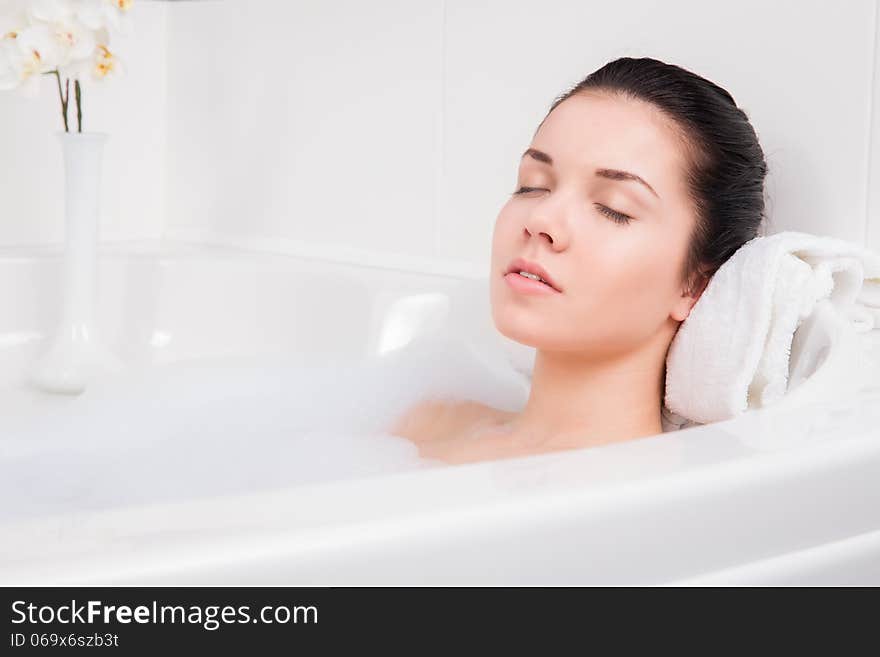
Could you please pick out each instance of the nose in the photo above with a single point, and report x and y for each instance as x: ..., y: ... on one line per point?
x: 547, y: 224
x: 545, y: 234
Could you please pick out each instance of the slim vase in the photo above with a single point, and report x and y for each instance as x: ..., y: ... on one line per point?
x: 75, y: 354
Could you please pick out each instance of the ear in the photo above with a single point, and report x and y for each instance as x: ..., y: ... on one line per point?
x: 688, y: 299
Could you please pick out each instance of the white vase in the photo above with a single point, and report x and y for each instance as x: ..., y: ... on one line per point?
x: 75, y: 354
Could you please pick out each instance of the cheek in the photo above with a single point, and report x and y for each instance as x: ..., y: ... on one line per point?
x: 646, y: 282
x: 506, y: 220
x: 628, y: 287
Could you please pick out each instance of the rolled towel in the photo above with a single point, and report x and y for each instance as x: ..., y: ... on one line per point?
x: 732, y: 352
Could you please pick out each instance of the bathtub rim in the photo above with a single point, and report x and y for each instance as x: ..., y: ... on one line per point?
x: 103, y: 546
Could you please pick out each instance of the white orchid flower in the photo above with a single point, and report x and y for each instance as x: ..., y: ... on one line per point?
x: 77, y: 41
x: 102, y: 63
x: 73, y: 39
x: 17, y: 71
x: 50, y: 11
x: 13, y: 18
x: 10, y: 64
x: 26, y: 56
x: 42, y: 46
x: 113, y: 15
x: 107, y: 64
x: 80, y: 25
x: 32, y: 46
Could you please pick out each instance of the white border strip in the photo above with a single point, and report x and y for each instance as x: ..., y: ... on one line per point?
x: 872, y: 218
x: 440, y: 133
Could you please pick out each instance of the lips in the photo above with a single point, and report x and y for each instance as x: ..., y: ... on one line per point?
x: 521, y: 264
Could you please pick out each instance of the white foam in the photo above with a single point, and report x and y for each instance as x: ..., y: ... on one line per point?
x: 203, y: 428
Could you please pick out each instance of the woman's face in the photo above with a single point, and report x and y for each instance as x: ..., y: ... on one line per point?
x: 619, y: 282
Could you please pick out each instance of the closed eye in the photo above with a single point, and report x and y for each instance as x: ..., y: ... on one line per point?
x: 617, y: 217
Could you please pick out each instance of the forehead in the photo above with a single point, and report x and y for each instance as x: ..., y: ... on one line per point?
x: 593, y: 130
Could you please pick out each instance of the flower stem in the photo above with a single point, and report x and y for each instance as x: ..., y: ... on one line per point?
x: 79, y: 114
x: 63, y: 100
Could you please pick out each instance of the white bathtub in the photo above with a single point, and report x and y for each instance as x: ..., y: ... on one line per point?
x: 783, y: 495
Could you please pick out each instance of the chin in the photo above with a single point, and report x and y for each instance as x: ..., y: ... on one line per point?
x: 512, y: 324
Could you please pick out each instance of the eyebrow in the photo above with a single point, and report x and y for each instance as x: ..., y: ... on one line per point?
x: 610, y: 174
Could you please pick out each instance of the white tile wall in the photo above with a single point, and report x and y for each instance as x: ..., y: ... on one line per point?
x: 302, y: 124
x: 390, y: 131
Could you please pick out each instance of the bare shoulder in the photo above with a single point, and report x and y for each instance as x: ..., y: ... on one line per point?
x: 431, y: 419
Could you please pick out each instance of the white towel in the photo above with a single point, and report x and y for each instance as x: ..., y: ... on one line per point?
x: 732, y: 352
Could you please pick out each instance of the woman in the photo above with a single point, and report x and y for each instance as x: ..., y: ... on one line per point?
x: 638, y: 184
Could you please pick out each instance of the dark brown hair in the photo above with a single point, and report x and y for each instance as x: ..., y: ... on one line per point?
x: 726, y: 166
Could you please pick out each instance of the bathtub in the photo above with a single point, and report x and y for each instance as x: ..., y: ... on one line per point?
x: 788, y: 494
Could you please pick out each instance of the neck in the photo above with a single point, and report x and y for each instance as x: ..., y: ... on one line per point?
x: 579, y: 400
